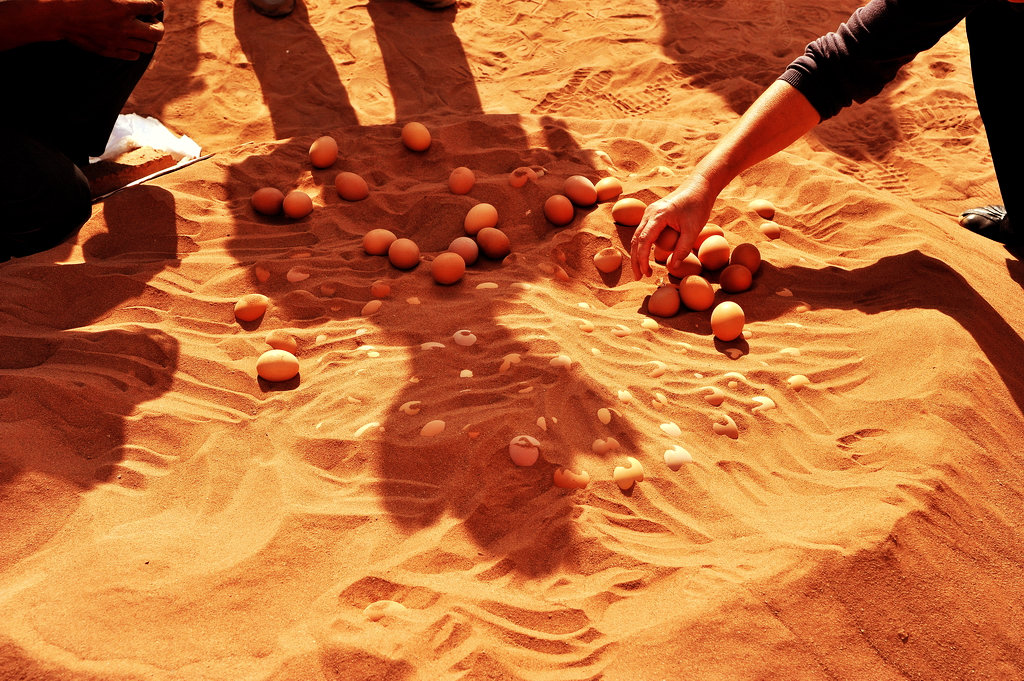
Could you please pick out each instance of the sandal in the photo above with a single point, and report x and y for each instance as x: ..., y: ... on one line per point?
x: 991, y: 222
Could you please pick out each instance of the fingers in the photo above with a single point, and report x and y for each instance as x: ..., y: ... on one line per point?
x: 144, y: 8
x: 640, y: 247
x: 143, y: 32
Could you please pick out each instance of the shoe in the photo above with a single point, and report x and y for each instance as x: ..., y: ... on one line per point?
x: 273, y: 8
x: 991, y: 222
x: 434, y: 4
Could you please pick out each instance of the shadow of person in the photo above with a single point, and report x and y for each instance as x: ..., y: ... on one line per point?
x: 737, y: 49
x: 515, y: 513
x: 67, y: 391
x: 905, y: 281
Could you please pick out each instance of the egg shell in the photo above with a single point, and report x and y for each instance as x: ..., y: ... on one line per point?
x: 279, y: 339
x: 519, y: 176
x: 567, y: 479
x: 580, y: 190
x: 660, y: 254
x: 608, y: 188
x: 628, y: 211
x: 415, y: 136
x: 297, y: 204
x: 404, y: 254
x: 746, y: 254
x: 706, y: 231
x: 466, y: 247
x: 251, y: 307
x: 735, y: 279
x: 664, y: 302
x: 447, y: 268
x: 558, y: 209
x: 667, y: 239
x: 461, y: 180
x: 277, y: 365
x: 479, y: 216
x: 682, y: 268
x: 608, y: 260
x: 714, y: 252
x: 696, y: 292
x: 378, y: 241
x: 494, y: 242
x: 763, y: 208
x: 351, y: 187
x: 380, y: 289
x: 727, y: 321
x: 524, y: 450
x: 323, y: 152
x: 267, y: 200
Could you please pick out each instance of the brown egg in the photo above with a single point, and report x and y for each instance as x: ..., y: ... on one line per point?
x: 447, y: 268
x: 708, y: 230
x: 714, y: 252
x: 660, y: 254
x: 580, y: 190
x: 415, y: 136
x: 297, y: 204
x: 608, y: 260
x: 727, y: 321
x: 251, y: 307
x: 323, y: 152
x: 558, y: 210
x: 696, y: 292
x: 277, y: 365
x: 267, y: 200
x: 772, y: 230
x: 279, y: 339
x: 667, y: 239
x: 461, y: 180
x: 378, y: 241
x: 628, y: 211
x: 493, y: 242
x: 380, y: 289
x: 664, y: 302
x: 680, y: 269
x: 479, y: 216
x: 746, y: 254
x: 735, y: 279
x: 351, y: 187
x: 466, y: 247
x: 763, y: 208
x: 608, y: 188
x: 404, y: 254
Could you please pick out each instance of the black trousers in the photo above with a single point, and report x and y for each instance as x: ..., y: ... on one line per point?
x: 995, y: 32
x: 61, y: 104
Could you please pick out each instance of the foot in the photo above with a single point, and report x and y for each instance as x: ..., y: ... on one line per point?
x: 991, y: 222
x: 273, y: 8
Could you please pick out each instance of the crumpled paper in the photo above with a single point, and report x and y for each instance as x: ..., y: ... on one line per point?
x: 132, y: 131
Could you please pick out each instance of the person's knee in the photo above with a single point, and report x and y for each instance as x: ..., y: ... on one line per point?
x: 46, y: 199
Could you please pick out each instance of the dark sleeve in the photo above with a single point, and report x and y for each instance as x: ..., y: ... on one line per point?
x: 858, y: 59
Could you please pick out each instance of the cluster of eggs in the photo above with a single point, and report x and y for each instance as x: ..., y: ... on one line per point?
x: 323, y: 153
x: 280, y: 362
x: 689, y: 286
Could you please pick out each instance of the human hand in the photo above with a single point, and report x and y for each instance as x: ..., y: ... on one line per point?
x: 121, y: 29
x: 685, y: 210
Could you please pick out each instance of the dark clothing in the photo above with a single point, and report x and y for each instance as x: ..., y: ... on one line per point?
x: 856, y: 61
x: 61, y: 104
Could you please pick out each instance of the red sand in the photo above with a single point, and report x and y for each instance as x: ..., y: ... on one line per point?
x: 167, y: 516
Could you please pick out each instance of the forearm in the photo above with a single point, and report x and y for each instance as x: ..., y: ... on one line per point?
x: 29, y: 21
x: 779, y: 117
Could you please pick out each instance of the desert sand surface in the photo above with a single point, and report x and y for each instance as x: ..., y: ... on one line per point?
x: 167, y: 515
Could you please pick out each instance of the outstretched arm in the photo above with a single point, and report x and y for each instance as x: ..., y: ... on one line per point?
x: 779, y: 117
